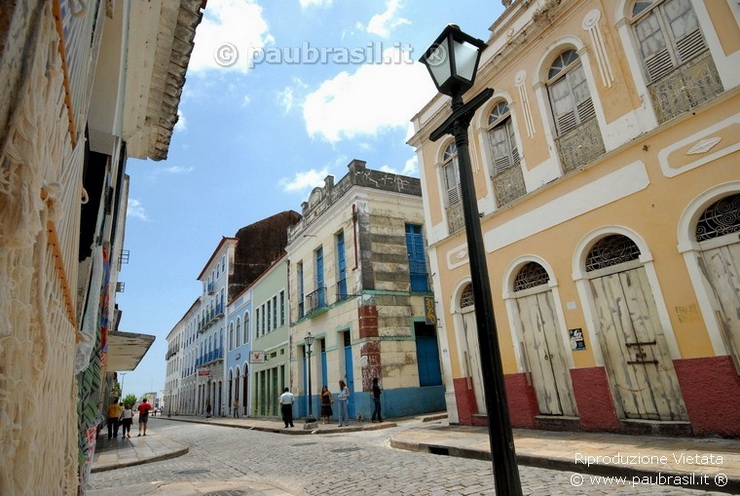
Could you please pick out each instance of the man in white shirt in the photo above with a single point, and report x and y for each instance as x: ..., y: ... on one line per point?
x: 286, y: 401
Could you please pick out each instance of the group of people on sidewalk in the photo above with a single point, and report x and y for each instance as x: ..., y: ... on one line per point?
x: 287, y: 399
x: 120, y: 415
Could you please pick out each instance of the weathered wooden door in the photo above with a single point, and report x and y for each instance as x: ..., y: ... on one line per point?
x: 544, y: 353
x: 717, y: 232
x: 472, y: 355
x: 633, y: 344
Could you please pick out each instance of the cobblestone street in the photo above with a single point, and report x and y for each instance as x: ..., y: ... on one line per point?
x: 227, y: 461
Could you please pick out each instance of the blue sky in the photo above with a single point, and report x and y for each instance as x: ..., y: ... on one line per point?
x: 279, y: 94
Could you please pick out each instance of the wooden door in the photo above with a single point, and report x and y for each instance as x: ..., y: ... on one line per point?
x: 473, y: 359
x: 722, y: 269
x: 635, y: 351
x: 545, y: 354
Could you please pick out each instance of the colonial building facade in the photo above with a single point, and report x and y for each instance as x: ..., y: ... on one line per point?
x: 606, y: 173
x: 238, y: 347
x: 270, y: 357
x: 80, y: 94
x: 357, y: 282
x: 218, y: 327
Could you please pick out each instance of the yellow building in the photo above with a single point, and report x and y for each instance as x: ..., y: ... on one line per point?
x: 607, y: 176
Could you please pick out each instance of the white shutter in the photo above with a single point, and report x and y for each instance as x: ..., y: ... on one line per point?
x: 690, y: 45
x: 586, y: 110
x: 566, y: 122
x: 659, y: 65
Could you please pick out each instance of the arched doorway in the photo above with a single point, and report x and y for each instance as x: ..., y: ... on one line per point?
x: 716, y: 233
x: 245, y: 389
x: 630, y: 333
x: 471, y: 348
x: 544, y: 350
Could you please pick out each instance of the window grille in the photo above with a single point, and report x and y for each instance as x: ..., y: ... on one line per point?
x: 531, y: 276
x: 721, y: 218
x: 466, y: 298
x: 610, y: 251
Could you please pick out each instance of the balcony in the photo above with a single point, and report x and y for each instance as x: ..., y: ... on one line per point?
x: 315, y: 301
x: 685, y: 88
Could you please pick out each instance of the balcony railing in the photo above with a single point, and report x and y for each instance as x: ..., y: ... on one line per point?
x: 315, y: 300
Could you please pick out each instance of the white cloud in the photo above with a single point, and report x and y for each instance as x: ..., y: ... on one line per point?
x: 246, y: 101
x: 136, y: 209
x: 181, y: 124
x: 176, y: 169
x: 302, y: 181
x: 410, y: 168
x: 286, y: 99
x: 318, y: 3
x: 383, y: 24
x: 230, y: 31
x: 377, y: 97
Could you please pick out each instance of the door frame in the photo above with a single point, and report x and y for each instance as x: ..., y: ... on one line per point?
x: 512, y: 312
x: 582, y: 281
x: 692, y: 250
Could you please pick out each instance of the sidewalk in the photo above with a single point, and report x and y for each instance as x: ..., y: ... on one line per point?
x: 688, y: 462
x: 708, y: 464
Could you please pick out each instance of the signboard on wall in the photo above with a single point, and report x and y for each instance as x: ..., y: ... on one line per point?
x: 204, y: 372
x: 256, y: 356
x: 430, y: 316
x: 577, y: 342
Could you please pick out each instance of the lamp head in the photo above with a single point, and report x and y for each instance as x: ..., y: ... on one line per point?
x: 308, y: 340
x: 452, y: 60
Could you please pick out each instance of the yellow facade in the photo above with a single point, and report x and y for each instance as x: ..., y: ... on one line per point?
x: 635, y: 167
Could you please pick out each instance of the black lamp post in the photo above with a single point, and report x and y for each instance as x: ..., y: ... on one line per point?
x: 308, y: 340
x: 452, y: 61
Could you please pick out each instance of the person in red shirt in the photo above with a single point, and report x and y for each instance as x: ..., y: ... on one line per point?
x: 143, y: 415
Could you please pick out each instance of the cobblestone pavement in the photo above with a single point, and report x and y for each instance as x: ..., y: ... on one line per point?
x: 235, y: 462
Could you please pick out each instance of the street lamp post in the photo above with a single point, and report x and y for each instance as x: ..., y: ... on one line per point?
x: 123, y: 376
x: 452, y: 61
x: 309, y: 342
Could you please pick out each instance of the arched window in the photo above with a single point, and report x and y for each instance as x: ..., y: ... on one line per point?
x: 530, y: 275
x: 508, y: 180
x: 678, y: 67
x: 578, y: 138
x: 246, y: 327
x: 231, y: 336
x: 611, y: 250
x: 238, y: 331
x: 451, y: 185
x: 466, y: 297
x: 719, y: 219
x: 501, y: 138
x: 569, y: 94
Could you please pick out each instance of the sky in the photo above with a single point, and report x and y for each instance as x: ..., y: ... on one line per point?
x: 279, y: 94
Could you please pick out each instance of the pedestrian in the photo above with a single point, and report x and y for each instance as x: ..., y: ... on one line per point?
x: 286, y: 407
x: 343, y: 398
x: 376, y: 400
x: 236, y: 408
x: 326, y: 400
x: 114, y: 411
x: 143, y: 416
x: 127, y: 416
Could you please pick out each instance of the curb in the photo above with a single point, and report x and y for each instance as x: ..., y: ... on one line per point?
x: 293, y: 432
x: 132, y: 463
x: 732, y: 486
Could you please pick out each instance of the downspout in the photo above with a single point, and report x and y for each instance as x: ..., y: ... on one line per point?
x: 354, y: 231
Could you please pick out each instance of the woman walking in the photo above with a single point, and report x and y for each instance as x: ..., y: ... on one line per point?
x: 127, y: 417
x: 326, y: 400
x: 343, y: 398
